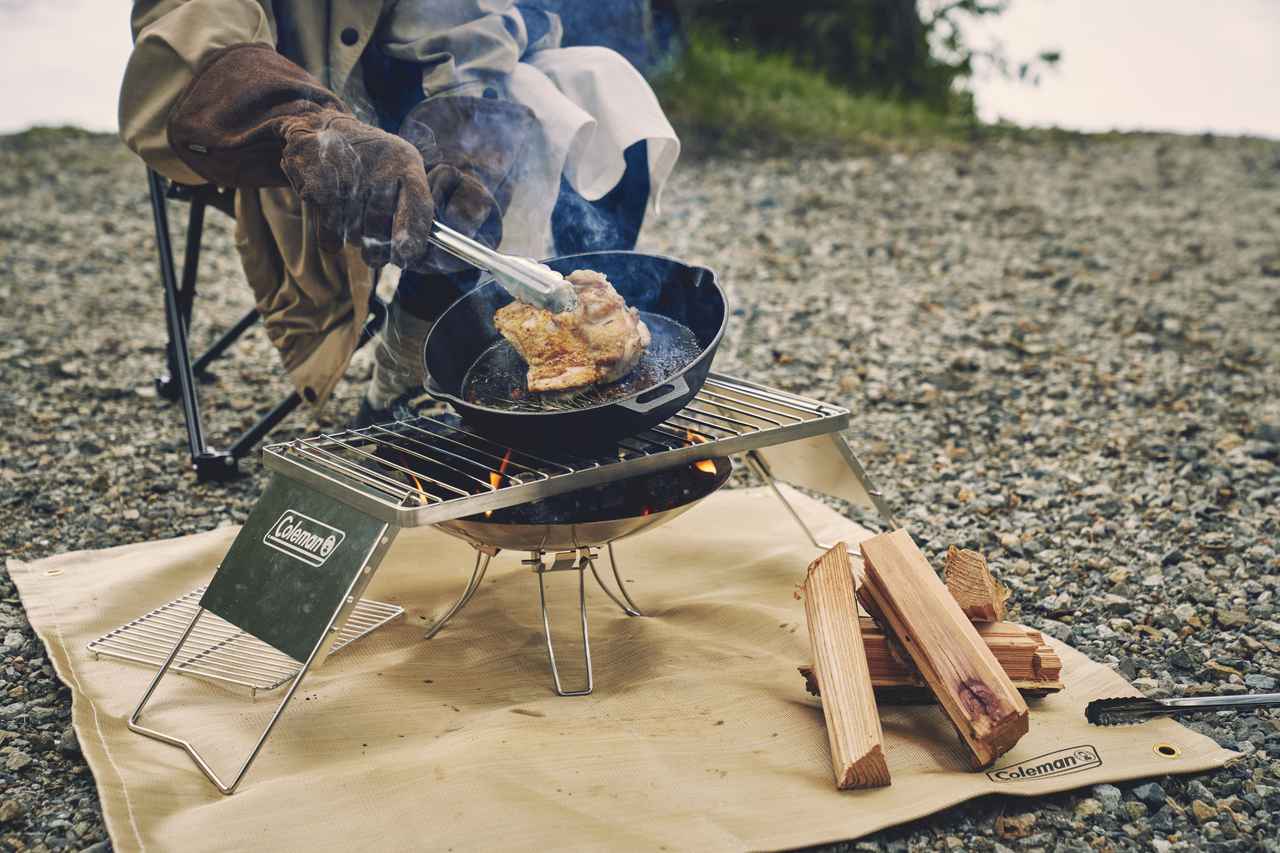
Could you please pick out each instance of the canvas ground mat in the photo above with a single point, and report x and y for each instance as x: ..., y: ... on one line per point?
x: 699, y: 734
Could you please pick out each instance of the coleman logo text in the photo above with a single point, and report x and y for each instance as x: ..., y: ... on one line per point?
x: 1073, y: 759
x: 303, y: 538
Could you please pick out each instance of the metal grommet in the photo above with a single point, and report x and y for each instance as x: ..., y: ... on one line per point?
x: 349, y: 36
x: 1166, y: 750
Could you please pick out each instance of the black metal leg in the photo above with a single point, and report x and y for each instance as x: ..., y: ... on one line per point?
x: 265, y: 424
x: 229, y: 337
x: 167, y: 386
x: 191, y: 259
x: 178, y: 353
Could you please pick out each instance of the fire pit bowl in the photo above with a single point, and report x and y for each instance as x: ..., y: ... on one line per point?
x: 594, y: 516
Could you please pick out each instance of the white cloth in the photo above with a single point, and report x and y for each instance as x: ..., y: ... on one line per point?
x: 591, y: 105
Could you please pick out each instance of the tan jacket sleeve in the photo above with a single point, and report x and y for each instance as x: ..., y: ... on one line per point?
x: 462, y: 45
x: 171, y: 39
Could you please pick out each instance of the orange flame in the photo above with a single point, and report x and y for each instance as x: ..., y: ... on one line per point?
x: 495, y: 477
x: 646, y: 511
x: 706, y: 466
x: 422, y: 493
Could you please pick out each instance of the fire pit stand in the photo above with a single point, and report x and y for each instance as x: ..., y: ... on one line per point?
x: 295, y: 573
x: 580, y: 560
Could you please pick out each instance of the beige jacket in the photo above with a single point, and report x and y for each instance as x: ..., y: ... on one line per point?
x: 313, y: 304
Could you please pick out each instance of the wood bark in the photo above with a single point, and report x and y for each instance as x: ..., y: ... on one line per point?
x: 840, y: 667
x: 970, y: 583
x: 912, y: 604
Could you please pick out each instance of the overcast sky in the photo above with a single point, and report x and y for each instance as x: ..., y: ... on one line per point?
x: 1183, y: 65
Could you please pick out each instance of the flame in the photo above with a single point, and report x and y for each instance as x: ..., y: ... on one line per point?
x: 646, y: 511
x: 422, y: 493
x: 495, y: 477
x: 706, y: 466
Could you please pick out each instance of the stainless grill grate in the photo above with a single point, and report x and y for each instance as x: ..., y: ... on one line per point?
x: 219, y: 651
x: 432, y: 469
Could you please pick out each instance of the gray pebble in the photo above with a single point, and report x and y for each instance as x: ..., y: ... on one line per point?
x: 1109, y: 795
x: 1150, y: 793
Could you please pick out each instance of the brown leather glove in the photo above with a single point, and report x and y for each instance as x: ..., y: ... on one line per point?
x: 251, y: 118
x: 366, y: 186
x: 472, y: 149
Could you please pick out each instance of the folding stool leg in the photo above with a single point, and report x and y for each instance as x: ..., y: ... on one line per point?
x: 180, y: 384
x: 179, y: 355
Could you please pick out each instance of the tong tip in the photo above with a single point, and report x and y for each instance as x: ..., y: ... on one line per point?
x: 1121, y: 710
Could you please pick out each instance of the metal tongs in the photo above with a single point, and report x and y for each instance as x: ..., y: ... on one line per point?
x: 1136, y: 709
x: 525, y: 279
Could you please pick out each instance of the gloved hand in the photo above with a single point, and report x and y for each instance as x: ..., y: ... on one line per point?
x: 472, y: 149
x: 367, y: 187
x: 251, y: 118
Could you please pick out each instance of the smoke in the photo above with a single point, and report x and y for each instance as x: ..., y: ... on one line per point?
x: 632, y: 28
x: 578, y: 225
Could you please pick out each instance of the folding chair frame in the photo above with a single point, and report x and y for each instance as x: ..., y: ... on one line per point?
x: 179, y: 383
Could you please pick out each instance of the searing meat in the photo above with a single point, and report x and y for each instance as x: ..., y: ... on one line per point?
x: 598, y: 342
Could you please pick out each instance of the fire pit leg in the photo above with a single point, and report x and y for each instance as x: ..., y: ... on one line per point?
x: 568, y: 561
x: 477, y: 575
x: 630, y: 607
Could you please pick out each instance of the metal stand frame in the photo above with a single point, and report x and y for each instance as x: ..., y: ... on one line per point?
x: 566, y: 561
x: 180, y: 383
x: 483, y: 557
x: 580, y: 560
x: 361, y: 572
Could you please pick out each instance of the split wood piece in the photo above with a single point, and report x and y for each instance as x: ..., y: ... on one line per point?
x: 853, y: 722
x: 909, y: 601
x: 1031, y: 664
x: 970, y: 583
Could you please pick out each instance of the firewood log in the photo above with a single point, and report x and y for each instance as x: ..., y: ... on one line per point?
x: 911, y: 603
x: 1032, y: 665
x: 970, y: 583
x: 840, y: 668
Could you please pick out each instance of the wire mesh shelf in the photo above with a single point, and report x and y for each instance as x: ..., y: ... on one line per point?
x: 217, y: 650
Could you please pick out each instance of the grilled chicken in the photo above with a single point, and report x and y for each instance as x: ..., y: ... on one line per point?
x: 598, y: 342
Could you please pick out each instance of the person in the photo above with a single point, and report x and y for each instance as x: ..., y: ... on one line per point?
x: 348, y: 127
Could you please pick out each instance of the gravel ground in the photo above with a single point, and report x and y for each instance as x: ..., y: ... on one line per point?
x: 1061, y: 352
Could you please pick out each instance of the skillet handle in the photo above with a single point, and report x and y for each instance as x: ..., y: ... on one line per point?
x: 659, y: 396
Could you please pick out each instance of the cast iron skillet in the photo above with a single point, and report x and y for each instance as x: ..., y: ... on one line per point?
x: 679, y: 303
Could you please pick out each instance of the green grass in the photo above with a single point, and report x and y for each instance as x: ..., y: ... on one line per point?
x: 727, y: 99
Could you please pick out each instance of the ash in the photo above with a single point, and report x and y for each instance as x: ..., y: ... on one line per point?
x: 1061, y: 351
